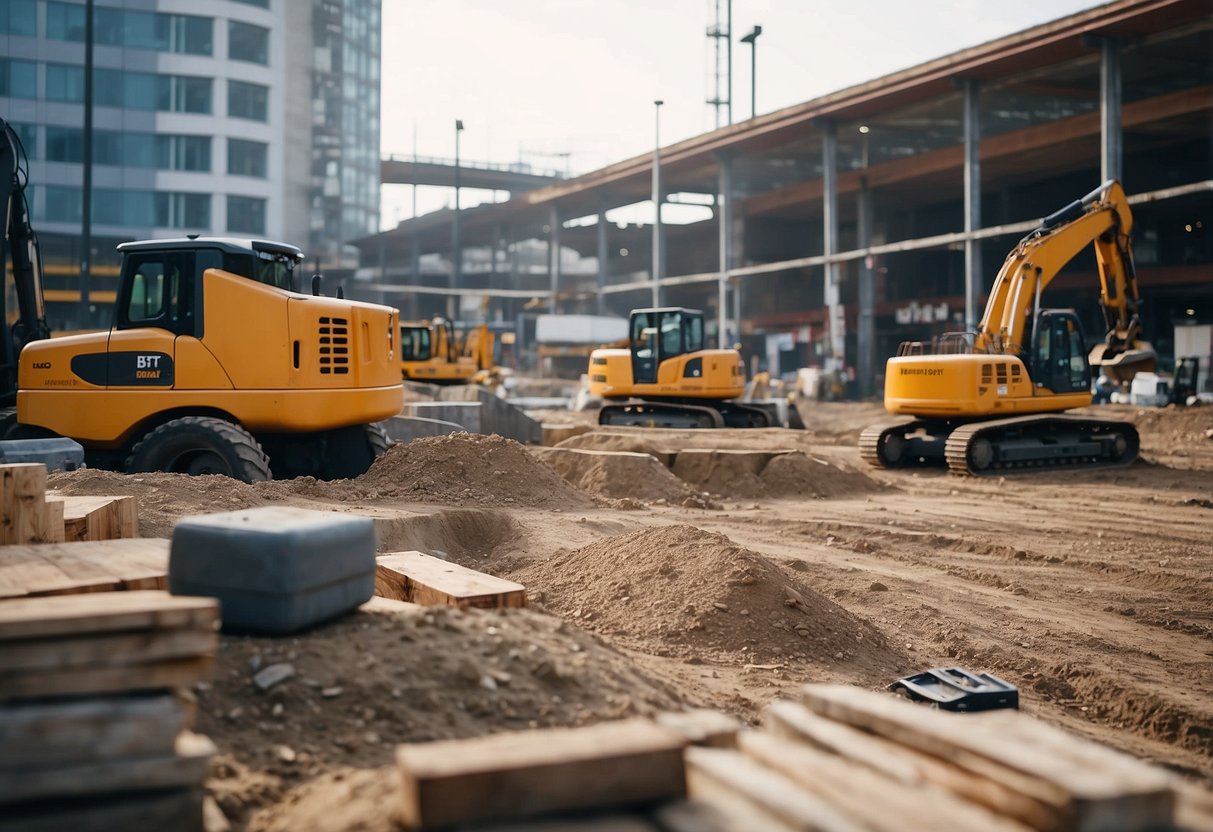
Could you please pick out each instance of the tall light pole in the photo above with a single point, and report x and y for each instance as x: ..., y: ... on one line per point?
x: 456, y: 246
x: 752, y: 40
x: 657, y: 203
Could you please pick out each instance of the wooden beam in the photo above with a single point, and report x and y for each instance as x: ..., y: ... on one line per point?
x: 423, y: 579
x: 104, y: 612
x: 98, y: 518
x: 1087, y: 785
x: 501, y: 777
x: 78, y: 567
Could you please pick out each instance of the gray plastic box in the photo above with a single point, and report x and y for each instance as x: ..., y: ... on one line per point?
x: 57, y: 453
x: 275, y: 569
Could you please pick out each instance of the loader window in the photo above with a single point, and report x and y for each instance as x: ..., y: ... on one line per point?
x: 159, y: 292
x: 415, y: 343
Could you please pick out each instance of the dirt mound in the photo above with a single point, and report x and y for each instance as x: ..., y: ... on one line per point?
x: 618, y: 474
x: 755, y: 474
x: 687, y: 592
x: 460, y: 469
x: 802, y: 475
x: 374, y: 679
x: 162, y: 498
x: 660, y: 442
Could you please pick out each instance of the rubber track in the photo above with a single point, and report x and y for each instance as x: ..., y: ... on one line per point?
x: 956, y: 450
x: 869, y: 440
x: 637, y: 418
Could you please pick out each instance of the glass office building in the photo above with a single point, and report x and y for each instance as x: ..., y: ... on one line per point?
x: 252, y: 118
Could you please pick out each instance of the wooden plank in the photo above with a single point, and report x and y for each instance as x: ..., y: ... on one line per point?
x: 104, y: 612
x: 185, y: 768
x: 22, y: 500
x: 877, y: 802
x: 703, y: 726
x: 75, y: 567
x: 51, y: 528
x: 107, y: 650
x: 179, y: 810
x: 903, y: 764
x: 389, y: 605
x: 510, y: 776
x: 98, y: 518
x: 613, y: 823
x: 1091, y: 787
x: 79, y: 731
x: 99, y: 679
x: 422, y: 579
x: 727, y: 779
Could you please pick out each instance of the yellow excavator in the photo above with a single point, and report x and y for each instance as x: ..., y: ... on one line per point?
x: 431, y: 352
x: 991, y: 401
x: 215, y: 364
x: 667, y: 378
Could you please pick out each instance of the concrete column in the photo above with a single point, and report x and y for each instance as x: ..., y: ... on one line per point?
x: 554, y: 255
x: 724, y: 216
x: 415, y: 251
x: 972, y: 198
x: 603, y: 259
x: 1111, y: 154
x: 867, y: 297
x: 833, y: 271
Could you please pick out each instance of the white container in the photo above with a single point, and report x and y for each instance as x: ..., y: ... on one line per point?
x: 1149, y: 390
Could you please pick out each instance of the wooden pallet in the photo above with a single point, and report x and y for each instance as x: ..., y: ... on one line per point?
x: 97, y: 518
x: 78, y: 567
x: 30, y: 514
x: 422, y: 579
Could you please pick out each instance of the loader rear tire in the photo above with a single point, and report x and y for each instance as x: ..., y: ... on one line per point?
x: 201, y: 445
x: 351, y: 451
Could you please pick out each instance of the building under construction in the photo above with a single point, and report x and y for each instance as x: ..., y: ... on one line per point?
x: 879, y: 213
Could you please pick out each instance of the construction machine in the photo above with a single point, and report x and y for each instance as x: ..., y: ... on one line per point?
x: 667, y: 378
x: 430, y: 351
x: 215, y: 363
x: 992, y: 401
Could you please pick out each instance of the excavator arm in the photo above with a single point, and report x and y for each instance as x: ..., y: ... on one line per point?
x: 21, y: 247
x: 1101, y: 218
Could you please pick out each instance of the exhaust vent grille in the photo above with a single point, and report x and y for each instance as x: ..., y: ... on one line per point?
x: 334, y: 345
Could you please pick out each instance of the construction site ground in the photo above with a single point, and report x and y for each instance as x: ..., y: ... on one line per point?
x: 1090, y: 591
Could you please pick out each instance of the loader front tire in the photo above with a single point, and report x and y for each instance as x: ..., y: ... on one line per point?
x: 201, y: 445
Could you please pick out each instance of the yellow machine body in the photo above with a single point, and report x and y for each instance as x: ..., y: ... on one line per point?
x: 966, y: 386
x: 703, y: 374
x: 270, y: 360
x: 431, y: 352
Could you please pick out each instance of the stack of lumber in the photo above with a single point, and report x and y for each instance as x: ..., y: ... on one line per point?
x: 423, y: 579
x: 95, y: 713
x: 836, y: 758
x: 32, y: 515
x: 73, y: 568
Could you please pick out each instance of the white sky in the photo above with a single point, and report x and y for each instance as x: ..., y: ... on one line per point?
x: 532, y: 79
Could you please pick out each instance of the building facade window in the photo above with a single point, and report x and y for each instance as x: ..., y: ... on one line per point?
x: 190, y: 153
x: 18, y: 79
x: 65, y: 83
x: 61, y: 204
x: 246, y: 214
x: 27, y: 134
x: 183, y: 94
x: 245, y: 158
x: 124, y: 207
x: 183, y: 210
x: 246, y: 42
x: 265, y: 4
x: 19, y: 17
x: 249, y: 101
x: 64, y: 144
x: 184, y: 33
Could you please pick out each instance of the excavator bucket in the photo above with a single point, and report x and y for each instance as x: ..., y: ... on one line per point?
x: 1120, y: 364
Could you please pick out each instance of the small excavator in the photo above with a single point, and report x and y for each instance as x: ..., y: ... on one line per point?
x: 215, y: 363
x: 992, y: 401
x: 666, y: 378
x: 431, y: 352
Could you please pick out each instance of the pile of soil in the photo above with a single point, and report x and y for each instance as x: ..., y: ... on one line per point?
x: 460, y: 469
x: 620, y: 475
x: 803, y: 475
x: 681, y: 591
x: 733, y: 474
x: 373, y: 679
x: 163, y: 498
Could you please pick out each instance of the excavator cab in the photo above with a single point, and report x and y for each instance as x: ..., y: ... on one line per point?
x: 1059, y: 355
x: 661, y: 334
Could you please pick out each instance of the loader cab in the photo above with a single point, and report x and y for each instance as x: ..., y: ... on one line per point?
x: 415, y: 342
x: 1058, y: 353
x: 657, y: 335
